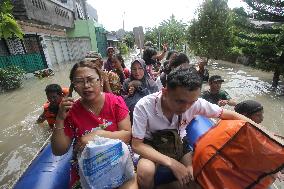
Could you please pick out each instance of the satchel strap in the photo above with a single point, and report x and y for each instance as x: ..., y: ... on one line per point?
x: 179, y: 123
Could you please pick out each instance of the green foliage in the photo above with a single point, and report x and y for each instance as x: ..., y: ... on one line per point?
x: 129, y: 39
x: 11, y: 78
x: 210, y: 35
x: 8, y: 25
x: 233, y: 53
x: 267, y: 10
x: 170, y: 31
x: 264, y: 42
x: 123, y: 49
x: 152, y: 34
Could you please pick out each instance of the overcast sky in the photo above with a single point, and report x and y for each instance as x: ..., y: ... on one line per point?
x: 146, y: 13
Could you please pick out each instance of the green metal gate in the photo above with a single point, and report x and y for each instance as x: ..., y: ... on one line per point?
x: 26, y: 54
x: 101, y: 40
x: 28, y: 62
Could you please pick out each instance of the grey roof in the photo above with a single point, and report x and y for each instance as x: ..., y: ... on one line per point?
x: 111, y: 37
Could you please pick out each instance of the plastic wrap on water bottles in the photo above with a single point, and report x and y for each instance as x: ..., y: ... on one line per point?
x: 105, y: 164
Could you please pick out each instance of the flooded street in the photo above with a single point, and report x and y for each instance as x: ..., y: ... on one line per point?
x: 244, y: 83
x: 21, y: 138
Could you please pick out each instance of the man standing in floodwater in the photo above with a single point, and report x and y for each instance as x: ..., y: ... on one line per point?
x: 215, y: 95
x: 108, y: 65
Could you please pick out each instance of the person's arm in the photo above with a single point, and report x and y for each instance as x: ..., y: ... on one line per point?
x: 231, y: 115
x: 123, y: 133
x: 60, y: 143
x: 139, y: 127
x: 232, y: 102
x: 150, y: 153
x: 229, y: 102
x: 179, y: 170
x: 162, y: 55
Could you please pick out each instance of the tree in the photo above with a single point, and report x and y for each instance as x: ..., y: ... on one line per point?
x: 267, y: 10
x: 210, y: 34
x: 129, y: 39
x: 8, y: 25
x: 266, y: 38
x: 170, y: 31
x: 152, y: 34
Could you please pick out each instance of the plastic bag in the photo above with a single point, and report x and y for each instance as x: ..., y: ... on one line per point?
x: 105, y: 164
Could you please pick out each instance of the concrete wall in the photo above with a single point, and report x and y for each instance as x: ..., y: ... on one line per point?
x: 60, y: 50
x: 44, y: 12
x: 84, y: 28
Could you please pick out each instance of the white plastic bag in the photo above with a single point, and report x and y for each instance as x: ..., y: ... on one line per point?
x: 105, y: 164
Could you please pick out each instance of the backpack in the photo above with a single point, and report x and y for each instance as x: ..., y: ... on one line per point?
x: 168, y: 142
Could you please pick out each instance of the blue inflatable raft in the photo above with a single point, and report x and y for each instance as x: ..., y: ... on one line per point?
x: 52, y: 172
x: 47, y: 171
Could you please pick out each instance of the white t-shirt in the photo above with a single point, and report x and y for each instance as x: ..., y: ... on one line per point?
x: 148, y: 116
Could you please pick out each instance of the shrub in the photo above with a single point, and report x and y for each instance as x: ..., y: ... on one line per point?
x: 123, y: 49
x: 11, y: 78
x: 232, y: 54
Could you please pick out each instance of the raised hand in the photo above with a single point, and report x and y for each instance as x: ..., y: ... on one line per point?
x: 222, y: 102
x: 64, y: 106
x: 165, y: 47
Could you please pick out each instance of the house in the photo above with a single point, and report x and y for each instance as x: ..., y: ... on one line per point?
x: 112, y: 40
x: 46, y: 42
x: 90, y: 28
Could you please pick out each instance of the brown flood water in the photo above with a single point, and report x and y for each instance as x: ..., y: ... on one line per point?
x: 21, y: 138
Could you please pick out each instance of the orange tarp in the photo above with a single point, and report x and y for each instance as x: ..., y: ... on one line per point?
x: 236, y: 155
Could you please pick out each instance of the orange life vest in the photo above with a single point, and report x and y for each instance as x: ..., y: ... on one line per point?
x: 51, y: 117
x: 235, y: 154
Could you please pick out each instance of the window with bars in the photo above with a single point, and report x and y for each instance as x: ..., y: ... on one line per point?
x: 39, y: 4
x: 61, y: 12
x: 80, y: 11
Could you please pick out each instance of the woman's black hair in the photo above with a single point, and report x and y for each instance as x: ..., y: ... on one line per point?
x: 186, y: 77
x: 180, y: 59
x: 170, y: 54
x: 120, y: 58
x: 248, y: 107
x: 148, y: 54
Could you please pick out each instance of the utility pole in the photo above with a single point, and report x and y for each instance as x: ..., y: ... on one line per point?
x: 123, y: 16
x: 159, y: 39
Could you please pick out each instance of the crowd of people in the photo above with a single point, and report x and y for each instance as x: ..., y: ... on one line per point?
x: 134, y: 104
